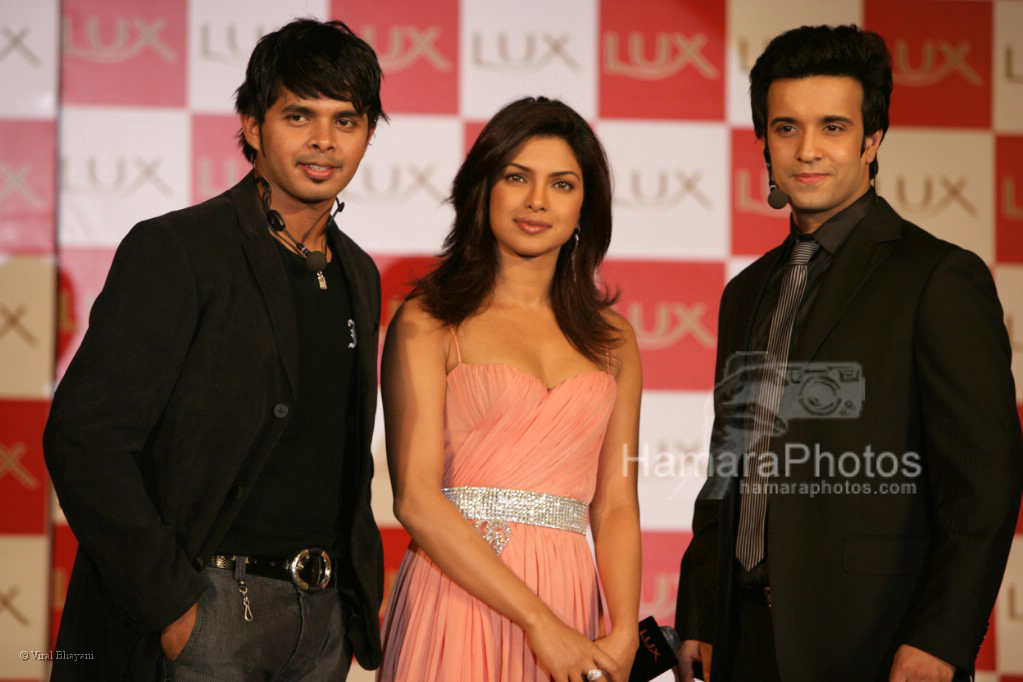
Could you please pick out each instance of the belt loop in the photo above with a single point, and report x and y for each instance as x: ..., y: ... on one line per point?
x: 239, y: 566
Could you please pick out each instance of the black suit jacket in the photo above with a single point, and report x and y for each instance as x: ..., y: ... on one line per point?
x: 917, y: 557
x: 167, y: 414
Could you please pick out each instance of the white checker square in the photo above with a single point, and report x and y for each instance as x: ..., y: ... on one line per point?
x: 674, y: 441
x: 1009, y: 280
x: 943, y: 181
x: 119, y: 166
x: 383, y: 496
x: 1009, y: 613
x: 531, y: 47
x: 752, y: 25
x: 671, y: 189
x: 395, y: 202
x: 221, y: 36
x: 736, y: 264
x: 29, y: 58
x: 1007, y: 66
x: 25, y: 614
x: 27, y: 326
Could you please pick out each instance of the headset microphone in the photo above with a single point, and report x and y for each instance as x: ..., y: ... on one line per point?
x: 315, y: 261
x: 776, y: 198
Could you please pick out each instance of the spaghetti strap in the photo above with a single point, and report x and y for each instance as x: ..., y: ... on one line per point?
x: 458, y: 349
x: 607, y: 358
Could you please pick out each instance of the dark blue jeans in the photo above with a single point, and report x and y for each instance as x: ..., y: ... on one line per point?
x: 293, y: 635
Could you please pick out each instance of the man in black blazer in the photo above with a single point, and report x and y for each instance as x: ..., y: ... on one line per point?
x: 866, y: 470
x: 210, y: 442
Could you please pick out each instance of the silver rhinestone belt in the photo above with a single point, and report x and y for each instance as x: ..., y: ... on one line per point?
x: 491, y: 509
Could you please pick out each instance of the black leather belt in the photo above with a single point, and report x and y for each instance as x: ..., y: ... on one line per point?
x: 310, y: 570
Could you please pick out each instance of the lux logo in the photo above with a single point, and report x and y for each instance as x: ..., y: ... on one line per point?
x: 10, y: 461
x: 744, y: 195
x: 1010, y: 70
x: 121, y: 185
x: 671, y: 323
x: 14, y: 181
x: 663, y: 599
x: 406, y: 44
x: 11, y: 322
x: 16, y: 43
x: 7, y: 604
x: 746, y: 58
x: 230, y: 172
x: 1015, y: 604
x: 649, y: 643
x: 529, y: 61
x: 401, y: 186
x: 130, y: 38
x: 673, y: 52
x: 927, y: 205
x: 664, y: 196
x: 929, y: 73
x: 1010, y: 207
x: 229, y: 52
x: 1015, y: 342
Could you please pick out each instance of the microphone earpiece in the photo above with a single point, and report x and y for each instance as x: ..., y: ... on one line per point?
x: 274, y: 219
x: 776, y: 198
x: 315, y: 261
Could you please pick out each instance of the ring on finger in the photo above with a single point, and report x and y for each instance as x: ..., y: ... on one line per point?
x: 594, y: 675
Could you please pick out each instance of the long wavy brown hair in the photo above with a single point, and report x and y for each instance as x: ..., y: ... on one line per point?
x: 465, y: 277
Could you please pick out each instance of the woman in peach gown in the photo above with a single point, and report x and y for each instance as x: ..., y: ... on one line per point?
x: 511, y: 402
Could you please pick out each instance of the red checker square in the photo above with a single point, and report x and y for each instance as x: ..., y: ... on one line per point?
x: 756, y: 227
x: 395, y: 541
x: 987, y: 658
x: 65, y: 545
x: 673, y: 307
x: 472, y: 132
x: 662, y: 59
x: 662, y: 553
x: 1009, y: 199
x: 28, y: 173
x: 941, y: 60
x: 397, y: 273
x: 124, y: 52
x: 82, y: 273
x: 417, y: 46
x: 24, y: 484
x: 217, y: 159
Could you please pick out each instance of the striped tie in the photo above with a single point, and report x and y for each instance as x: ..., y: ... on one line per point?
x: 749, y: 546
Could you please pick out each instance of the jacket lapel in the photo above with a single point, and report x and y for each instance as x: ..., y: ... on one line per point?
x: 867, y: 247
x: 269, y: 272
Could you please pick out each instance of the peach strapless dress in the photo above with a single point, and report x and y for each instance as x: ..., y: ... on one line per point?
x: 504, y: 429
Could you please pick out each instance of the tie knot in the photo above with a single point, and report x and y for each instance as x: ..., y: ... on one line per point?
x: 802, y: 251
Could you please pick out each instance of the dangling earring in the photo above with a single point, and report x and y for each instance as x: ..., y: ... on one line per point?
x: 575, y: 247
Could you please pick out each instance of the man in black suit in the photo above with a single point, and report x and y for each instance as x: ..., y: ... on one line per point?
x: 210, y: 442
x: 865, y: 470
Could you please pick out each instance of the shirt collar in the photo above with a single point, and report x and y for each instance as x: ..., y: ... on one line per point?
x: 833, y: 233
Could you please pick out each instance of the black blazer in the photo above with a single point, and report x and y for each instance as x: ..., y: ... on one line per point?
x: 854, y: 574
x: 168, y: 413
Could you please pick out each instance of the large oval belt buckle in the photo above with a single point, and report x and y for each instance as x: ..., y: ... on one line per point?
x: 310, y: 569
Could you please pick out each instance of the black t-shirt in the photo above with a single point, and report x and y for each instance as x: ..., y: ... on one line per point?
x: 295, y: 501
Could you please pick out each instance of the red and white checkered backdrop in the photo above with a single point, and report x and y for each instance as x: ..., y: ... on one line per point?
x: 117, y: 110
